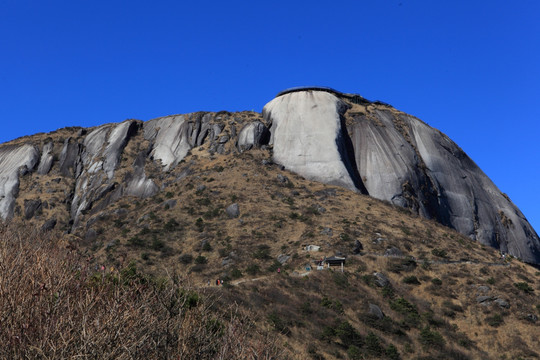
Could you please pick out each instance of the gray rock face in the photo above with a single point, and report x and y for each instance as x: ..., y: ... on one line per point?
x: 233, y: 210
x: 171, y: 137
x: 376, y: 311
x: 321, y: 135
x: 45, y: 163
x: 395, y: 157
x: 48, y: 225
x: 31, y: 208
x: 12, y: 160
x: 283, y: 258
x: 254, y: 134
x: 380, y: 279
x: 99, y: 157
x: 307, y: 136
x: 393, y: 252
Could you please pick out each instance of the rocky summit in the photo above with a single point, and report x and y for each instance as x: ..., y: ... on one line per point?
x: 318, y: 133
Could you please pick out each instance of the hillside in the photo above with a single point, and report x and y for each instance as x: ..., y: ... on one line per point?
x: 431, y: 304
x: 144, y: 217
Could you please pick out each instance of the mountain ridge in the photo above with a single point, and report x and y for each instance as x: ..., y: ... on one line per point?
x: 376, y: 149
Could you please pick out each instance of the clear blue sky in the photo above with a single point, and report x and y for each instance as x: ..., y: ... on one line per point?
x: 469, y: 68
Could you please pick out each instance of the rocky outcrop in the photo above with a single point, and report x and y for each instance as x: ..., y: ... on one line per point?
x: 15, y: 161
x: 46, y: 161
x: 308, y: 137
x: 318, y: 133
x: 254, y: 134
x: 392, y: 156
x: 96, y: 161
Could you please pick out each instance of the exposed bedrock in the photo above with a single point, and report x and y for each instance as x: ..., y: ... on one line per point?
x: 395, y: 157
x: 308, y: 138
x: 99, y: 157
x: 254, y: 134
x: 46, y: 161
x: 15, y: 161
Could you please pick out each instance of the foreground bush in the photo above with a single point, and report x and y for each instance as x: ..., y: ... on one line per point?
x: 54, y: 304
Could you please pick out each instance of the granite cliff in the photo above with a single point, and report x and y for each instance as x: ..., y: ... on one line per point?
x: 318, y: 133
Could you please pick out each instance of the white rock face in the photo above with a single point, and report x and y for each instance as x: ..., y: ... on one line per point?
x: 101, y: 151
x: 306, y: 134
x: 253, y: 134
x: 13, y: 159
x: 398, y: 158
x: 171, y: 138
x: 46, y: 160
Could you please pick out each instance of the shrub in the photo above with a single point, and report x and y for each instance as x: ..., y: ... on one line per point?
x: 436, y: 281
x: 439, y: 253
x: 136, y: 242
x: 207, y: 246
x: 495, y: 320
x: 340, y: 279
x: 523, y: 286
x: 171, y: 225
x: 79, y: 315
x: 402, y: 306
x: 354, y: 353
x: 279, y: 324
x: 305, y: 308
x: 392, y: 352
x: 199, y: 223
x: 411, y: 280
x: 201, y: 260
x: 157, y: 244
x: 185, y: 258
x: 253, y: 269
x: 348, y: 334
x: 235, y: 273
x: 373, y: 344
x: 431, y: 339
x: 275, y: 265
x: 262, y: 252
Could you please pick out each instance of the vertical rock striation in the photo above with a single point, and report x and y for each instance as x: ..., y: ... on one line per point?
x: 308, y: 138
x: 395, y: 157
x: 15, y: 161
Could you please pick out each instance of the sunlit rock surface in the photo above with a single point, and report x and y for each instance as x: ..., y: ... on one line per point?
x: 399, y: 159
x: 318, y: 133
x: 308, y: 138
x: 15, y: 161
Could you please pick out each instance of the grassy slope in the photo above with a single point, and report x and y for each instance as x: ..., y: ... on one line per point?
x: 325, y: 313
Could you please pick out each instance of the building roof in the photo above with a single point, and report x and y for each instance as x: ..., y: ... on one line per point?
x: 306, y: 88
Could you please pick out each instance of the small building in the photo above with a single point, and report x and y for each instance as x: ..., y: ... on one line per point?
x: 331, y: 261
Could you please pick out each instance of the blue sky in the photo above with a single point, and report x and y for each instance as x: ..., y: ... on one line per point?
x: 468, y: 68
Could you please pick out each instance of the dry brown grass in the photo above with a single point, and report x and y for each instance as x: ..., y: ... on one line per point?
x: 53, y: 305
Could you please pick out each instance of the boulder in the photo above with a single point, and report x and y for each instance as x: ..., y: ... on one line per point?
x: 233, y: 210
x: 32, y: 208
x: 327, y: 231
x: 375, y: 311
x: 393, y: 252
x: 254, y: 134
x: 502, y: 303
x: 169, y: 204
x: 313, y: 248
x: 484, y: 299
x: 380, y: 279
x: 283, y: 258
x: 48, y: 225
x: 46, y: 161
x: 357, y: 247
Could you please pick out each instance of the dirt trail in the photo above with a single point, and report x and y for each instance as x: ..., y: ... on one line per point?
x: 438, y: 262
